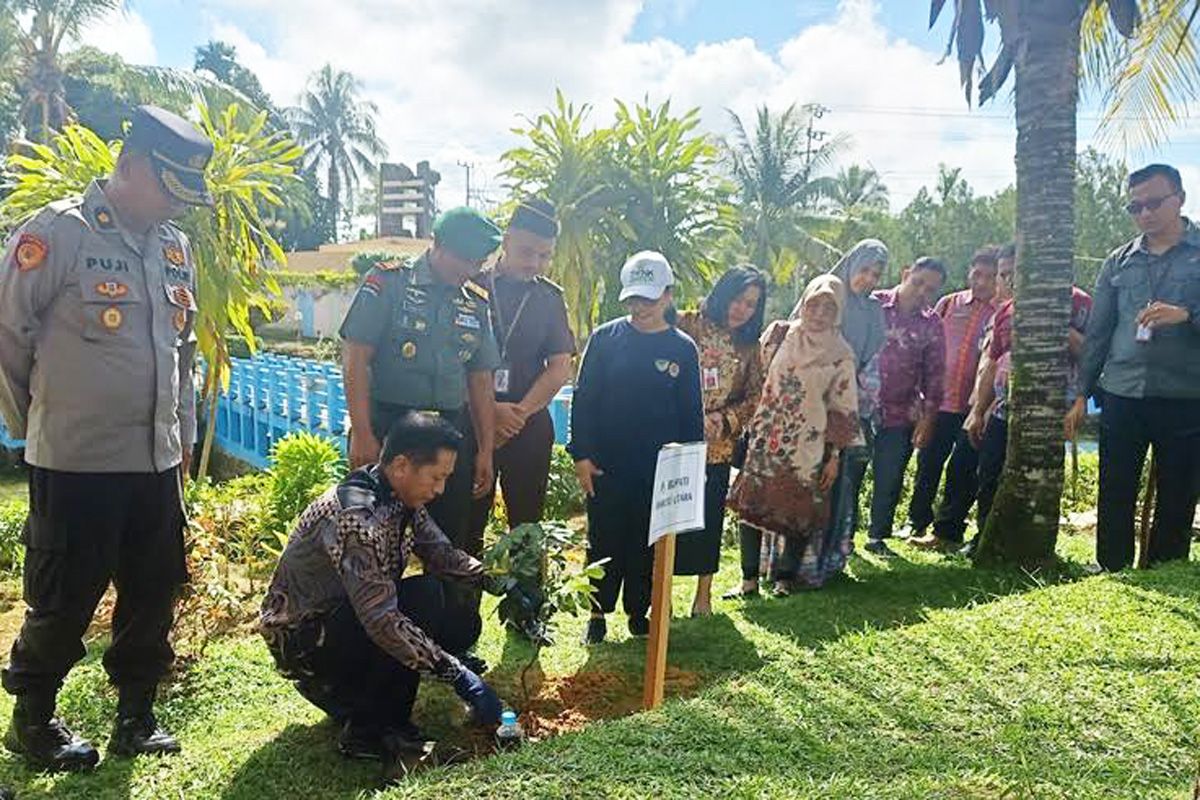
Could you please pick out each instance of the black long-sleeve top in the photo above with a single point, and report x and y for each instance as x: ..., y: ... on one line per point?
x: 636, y: 392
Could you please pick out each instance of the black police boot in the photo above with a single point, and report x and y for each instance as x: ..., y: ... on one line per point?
x: 136, y: 731
x: 44, y: 741
x: 141, y: 735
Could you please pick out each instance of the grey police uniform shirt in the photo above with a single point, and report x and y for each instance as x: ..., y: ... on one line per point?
x: 97, y: 340
x: 1166, y: 366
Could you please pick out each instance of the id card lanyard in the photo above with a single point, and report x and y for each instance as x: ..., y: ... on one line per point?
x: 1144, y: 332
x: 502, y: 374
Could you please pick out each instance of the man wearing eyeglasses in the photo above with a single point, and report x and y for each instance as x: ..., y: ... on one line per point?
x: 1142, y: 355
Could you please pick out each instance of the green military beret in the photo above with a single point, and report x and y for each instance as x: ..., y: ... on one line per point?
x: 467, y: 233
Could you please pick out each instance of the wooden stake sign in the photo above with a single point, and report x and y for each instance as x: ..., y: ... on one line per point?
x: 677, y: 507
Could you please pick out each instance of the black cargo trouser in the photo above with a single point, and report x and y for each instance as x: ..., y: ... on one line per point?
x: 83, y: 531
x: 338, y: 668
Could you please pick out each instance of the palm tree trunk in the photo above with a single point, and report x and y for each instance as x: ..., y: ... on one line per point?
x: 1023, y: 525
x: 335, y: 191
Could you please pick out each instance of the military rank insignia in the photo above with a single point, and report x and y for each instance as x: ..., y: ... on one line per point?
x: 111, y: 318
x: 174, y: 255
x: 30, y: 252
x: 180, y: 320
x: 408, y: 350
x: 111, y: 289
x: 104, y: 219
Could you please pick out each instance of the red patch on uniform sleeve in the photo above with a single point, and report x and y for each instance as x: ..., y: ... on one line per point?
x: 30, y: 252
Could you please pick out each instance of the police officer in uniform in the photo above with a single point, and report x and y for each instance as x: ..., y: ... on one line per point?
x: 97, y: 315
x: 418, y: 338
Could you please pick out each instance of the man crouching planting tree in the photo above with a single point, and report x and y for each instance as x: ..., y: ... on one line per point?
x: 343, y: 622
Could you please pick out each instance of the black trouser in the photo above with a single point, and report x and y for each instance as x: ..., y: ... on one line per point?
x: 451, y: 511
x: 699, y: 553
x: 992, y: 451
x: 893, y: 448
x: 962, y: 484
x: 338, y: 668
x: 930, y: 461
x: 523, y: 470
x: 83, y: 531
x: 618, y: 529
x: 1128, y: 427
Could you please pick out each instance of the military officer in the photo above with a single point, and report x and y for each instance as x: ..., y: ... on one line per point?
x: 418, y: 338
x: 97, y: 315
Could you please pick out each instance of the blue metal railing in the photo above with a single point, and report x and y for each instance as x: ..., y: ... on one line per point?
x: 272, y: 395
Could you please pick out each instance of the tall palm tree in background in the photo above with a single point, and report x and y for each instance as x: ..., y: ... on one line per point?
x: 43, y: 27
x: 778, y: 170
x: 336, y: 127
x: 1040, y: 40
x: 856, y: 189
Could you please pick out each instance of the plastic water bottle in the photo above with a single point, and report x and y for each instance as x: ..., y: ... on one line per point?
x: 509, y: 735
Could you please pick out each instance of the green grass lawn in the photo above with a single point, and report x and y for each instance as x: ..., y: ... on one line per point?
x: 14, y: 485
x: 923, y: 678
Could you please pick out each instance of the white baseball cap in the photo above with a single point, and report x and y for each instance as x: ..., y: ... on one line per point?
x: 646, y: 274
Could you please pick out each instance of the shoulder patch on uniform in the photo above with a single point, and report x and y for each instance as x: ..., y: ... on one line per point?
x: 30, y: 252
x: 477, y: 290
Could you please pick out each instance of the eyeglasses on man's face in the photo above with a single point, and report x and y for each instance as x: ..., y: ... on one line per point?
x: 1154, y: 204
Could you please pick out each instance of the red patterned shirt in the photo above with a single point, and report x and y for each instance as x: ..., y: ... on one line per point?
x: 964, y: 319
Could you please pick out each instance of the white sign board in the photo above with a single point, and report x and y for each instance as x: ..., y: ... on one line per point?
x: 678, y: 504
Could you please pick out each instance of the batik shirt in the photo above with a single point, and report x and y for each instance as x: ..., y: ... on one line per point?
x: 351, y: 546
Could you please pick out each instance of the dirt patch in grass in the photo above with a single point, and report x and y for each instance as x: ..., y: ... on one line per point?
x: 567, y: 704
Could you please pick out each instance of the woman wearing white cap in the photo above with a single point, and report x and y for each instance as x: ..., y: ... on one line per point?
x: 638, y: 389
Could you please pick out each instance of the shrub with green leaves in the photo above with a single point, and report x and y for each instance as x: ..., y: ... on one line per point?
x: 303, y: 465
x: 12, y: 528
x: 564, y: 497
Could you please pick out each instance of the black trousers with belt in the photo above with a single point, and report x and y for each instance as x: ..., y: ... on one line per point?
x: 523, y: 471
x: 451, y: 511
x: 84, y: 531
x: 336, y: 667
x: 1128, y: 428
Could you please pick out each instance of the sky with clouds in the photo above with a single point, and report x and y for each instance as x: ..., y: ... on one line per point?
x: 451, y: 78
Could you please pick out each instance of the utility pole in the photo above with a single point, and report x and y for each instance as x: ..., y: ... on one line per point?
x: 813, y: 135
x: 466, y: 165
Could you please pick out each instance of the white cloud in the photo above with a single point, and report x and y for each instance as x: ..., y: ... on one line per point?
x: 124, y: 33
x: 452, y: 77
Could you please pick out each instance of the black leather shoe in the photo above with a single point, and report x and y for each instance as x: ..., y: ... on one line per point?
x: 878, y: 547
x: 639, y: 626
x: 141, y: 735
x: 50, y: 746
x: 597, y: 629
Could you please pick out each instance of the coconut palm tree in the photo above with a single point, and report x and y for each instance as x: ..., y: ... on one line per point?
x: 855, y: 190
x: 336, y: 127
x: 778, y: 174
x: 1040, y: 41
x: 43, y: 27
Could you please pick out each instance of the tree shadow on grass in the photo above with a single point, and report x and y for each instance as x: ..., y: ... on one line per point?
x: 302, y: 761
x: 888, y: 595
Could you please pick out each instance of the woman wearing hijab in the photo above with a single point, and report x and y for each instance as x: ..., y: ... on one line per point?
x: 638, y: 389
x: 808, y: 414
x: 726, y: 331
x: 864, y: 329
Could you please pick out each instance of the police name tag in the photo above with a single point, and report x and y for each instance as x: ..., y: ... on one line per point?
x: 502, y: 379
x: 467, y: 321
